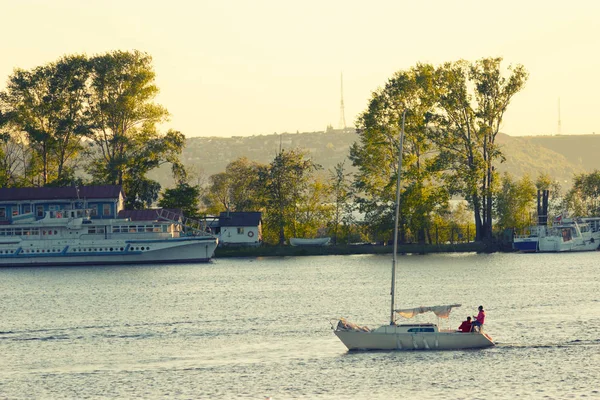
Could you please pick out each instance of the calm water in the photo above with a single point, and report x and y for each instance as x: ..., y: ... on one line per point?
x: 252, y: 328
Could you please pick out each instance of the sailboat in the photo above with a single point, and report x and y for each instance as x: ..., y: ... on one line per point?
x: 408, y: 336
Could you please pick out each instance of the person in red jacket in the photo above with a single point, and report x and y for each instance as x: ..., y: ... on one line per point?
x: 465, y: 326
x: 479, y: 319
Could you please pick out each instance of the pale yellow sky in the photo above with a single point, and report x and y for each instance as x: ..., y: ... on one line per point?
x: 238, y: 68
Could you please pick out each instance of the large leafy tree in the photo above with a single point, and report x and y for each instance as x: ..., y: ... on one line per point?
x: 218, y: 196
x: 15, y: 158
x: 515, y: 202
x: 285, y: 183
x: 49, y: 104
x: 315, y: 209
x: 125, y: 120
x: 555, y: 200
x: 341, y: 193
x: 473, y: 98
x: 184, y: 196
x: 409, y: 97
x: 245, y: 192
x: 584, y: 197
x: 236, y: 189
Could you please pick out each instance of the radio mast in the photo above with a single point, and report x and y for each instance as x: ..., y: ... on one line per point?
x: 342, y: 123
x: 559, y: 123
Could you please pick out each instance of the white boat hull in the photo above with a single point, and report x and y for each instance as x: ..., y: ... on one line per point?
x: 554, y: 244
x: 179, y: 250
x: 71, y: 237
x: 395, y: 338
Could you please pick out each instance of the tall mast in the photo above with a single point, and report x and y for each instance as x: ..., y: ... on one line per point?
x: 396, y: 218
x: 559, y: 123
x: 342, y: 123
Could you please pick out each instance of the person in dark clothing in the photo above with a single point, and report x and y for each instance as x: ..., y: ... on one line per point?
x: 465, y: 326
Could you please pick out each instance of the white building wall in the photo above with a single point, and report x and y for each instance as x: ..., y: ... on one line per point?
x: 246, y: 235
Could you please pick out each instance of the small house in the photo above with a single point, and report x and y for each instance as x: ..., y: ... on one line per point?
x: 239, y: 228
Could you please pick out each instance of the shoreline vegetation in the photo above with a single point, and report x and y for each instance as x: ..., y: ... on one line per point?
x: 285, y: 251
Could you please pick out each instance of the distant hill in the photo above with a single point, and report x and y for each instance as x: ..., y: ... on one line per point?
x: 560, y: 156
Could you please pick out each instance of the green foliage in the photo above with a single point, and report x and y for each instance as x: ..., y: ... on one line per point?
x: 236, y: 189
x: 411, y: 93
x: 184, y: 197
x: 285, y: 183
x: 124, y: 119
x: 217, y: 197
x: 515, y: 203
x: 555, y: 200
x: 106, y: 98
x: 341, y: 191
x: 315, y: 210
x: 141, y: 193
x: 583, y: 199
x: 472, y: 101
x: 49, y: 104
x: 245, y: 189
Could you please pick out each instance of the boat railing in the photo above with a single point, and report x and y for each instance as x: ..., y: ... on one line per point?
x: 194, y: 226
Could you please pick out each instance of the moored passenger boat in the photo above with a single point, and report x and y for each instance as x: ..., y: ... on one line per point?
x: 71, y: 237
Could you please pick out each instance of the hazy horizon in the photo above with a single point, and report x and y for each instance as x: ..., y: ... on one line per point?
x: 237, y: 68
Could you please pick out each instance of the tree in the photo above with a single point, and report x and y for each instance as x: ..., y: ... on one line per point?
x: 515, y: 203
x: 314, y: 209
x: 408, y: 97
x: 217, y: 197
x: 245, y: 193
x: 341, y: 192
x: 284, y: 183
x: 467, y: 124
x: 14, y: 159
x: 49, y: 104
x: 555, y: 199
x: 124, y: 125
x: 184, y: 197
x: 583, y: 199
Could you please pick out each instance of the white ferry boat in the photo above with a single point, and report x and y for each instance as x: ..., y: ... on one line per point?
x: 71, y: 237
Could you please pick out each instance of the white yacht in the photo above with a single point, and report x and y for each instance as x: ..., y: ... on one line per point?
x: 570, y: 236
x: 411, y: 336
x: 71, y: 237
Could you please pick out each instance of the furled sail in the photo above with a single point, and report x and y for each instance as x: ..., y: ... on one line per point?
x: 440, y: 311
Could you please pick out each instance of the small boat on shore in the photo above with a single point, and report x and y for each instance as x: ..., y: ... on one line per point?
x: 324, y: 241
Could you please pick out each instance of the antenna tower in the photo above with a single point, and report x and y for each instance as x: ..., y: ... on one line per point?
x: 342, y: 123
x: 559, y: 123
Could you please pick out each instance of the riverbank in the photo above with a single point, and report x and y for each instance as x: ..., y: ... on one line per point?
x: 283, y: 251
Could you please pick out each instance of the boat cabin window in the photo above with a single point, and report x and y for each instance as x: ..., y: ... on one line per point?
x: 421, y: 330
x: 240, y: 231
x: 2, y: 212
x: 19, y: 232
x: 39, y: 211
x: 138, y: 228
